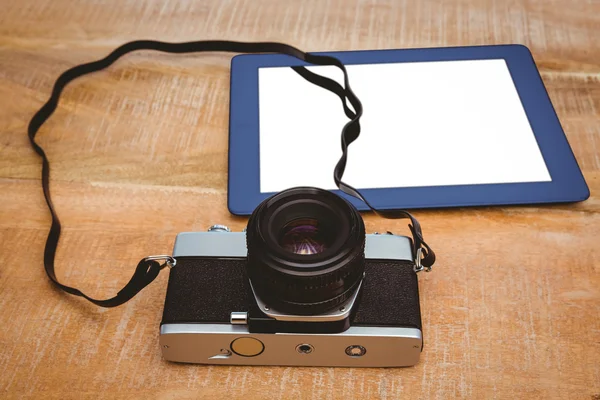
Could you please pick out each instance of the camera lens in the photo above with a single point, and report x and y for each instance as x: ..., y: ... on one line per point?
x: 304, y: 236
x: 305, y: 250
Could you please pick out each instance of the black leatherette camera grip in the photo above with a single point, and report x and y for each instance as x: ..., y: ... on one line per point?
x: 207, y: 290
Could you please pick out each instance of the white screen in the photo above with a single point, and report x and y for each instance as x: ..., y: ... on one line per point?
x: 424, y: 124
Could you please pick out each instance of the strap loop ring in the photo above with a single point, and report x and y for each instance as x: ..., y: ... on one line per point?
x: 169, y: 261
x: 418, y: 265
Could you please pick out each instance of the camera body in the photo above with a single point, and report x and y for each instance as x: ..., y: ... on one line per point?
x: 213, y: 315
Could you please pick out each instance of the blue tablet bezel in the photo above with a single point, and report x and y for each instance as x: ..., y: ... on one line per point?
x: 567, y: 185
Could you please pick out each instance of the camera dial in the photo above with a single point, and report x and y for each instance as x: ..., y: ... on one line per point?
x: 219, y: 228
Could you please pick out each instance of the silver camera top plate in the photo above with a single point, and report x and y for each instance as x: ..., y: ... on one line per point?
x: 233, y: 244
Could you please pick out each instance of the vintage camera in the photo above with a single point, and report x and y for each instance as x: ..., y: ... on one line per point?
x: 303, y: 286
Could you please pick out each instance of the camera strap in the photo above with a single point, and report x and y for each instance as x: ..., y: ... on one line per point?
x: 148, y: 268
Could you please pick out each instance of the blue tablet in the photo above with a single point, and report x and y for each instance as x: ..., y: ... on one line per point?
x: 442, y: 127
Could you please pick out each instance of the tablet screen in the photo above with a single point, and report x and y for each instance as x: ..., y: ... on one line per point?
x: 424, y: 124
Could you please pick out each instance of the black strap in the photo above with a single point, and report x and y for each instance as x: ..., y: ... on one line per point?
x: 147, y: 270
x: 350, y: 135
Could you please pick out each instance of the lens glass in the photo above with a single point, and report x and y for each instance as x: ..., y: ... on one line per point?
x: 303, y: 236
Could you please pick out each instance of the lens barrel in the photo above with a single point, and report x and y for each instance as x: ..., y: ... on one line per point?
x: 306, y: 250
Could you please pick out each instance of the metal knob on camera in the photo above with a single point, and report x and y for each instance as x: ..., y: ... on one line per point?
x: 219, y: 228
x: 238, y: 318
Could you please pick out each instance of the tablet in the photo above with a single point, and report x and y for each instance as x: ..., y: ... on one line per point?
x: 442, y: 127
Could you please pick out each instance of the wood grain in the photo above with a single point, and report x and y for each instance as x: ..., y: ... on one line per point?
x: 139, y: 154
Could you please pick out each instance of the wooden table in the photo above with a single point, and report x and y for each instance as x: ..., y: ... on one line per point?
x: 139, y: 154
